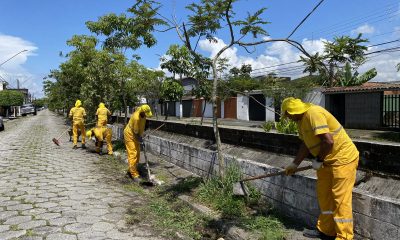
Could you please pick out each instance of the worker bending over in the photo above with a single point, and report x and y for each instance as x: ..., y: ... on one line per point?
x: 100, y: 133
x: 336, y: 161
x: 102, y: 115
x: 133, y: 136
x: 78, y: 114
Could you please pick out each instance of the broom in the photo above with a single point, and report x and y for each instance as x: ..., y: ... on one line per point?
x: 56, y: 140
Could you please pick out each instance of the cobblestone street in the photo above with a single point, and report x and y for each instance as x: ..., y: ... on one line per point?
x: 51, y: 192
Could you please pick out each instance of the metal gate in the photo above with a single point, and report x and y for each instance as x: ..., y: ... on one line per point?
x: 391, y: 111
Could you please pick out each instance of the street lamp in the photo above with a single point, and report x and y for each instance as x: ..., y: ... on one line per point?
x: 13, y: 57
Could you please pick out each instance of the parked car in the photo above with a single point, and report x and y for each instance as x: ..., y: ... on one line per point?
x: 28, y: 109
x: 1, y: 124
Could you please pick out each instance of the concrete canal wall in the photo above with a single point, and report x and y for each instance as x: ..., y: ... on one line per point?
x: 376, y: 202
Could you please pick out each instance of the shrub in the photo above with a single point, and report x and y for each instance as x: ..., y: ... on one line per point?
x: 286, y: 126
x: 267, y: 126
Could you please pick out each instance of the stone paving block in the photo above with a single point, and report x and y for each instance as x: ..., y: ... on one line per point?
x: 77, y: 227
x: 61, y: 221
x: 61, y: 236
x: 4, y: 228
x: 4, y: 215
x: 12, y: 234
x: 102, y: 227
x: 20, y: 207
x: 32, y: 224
x: 17, y: 220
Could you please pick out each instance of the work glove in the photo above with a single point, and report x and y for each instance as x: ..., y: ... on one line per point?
x: 317, y: 163
x: 291, y: 168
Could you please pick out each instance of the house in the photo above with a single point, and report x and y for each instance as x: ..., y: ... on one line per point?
x: 372, y: 105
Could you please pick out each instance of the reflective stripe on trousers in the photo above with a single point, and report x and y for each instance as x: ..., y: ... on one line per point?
x: 334, y: 191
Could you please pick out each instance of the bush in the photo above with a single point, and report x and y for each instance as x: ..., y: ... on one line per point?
x: 286, y: 126
x: 11, y: 98
x: 267, y: 126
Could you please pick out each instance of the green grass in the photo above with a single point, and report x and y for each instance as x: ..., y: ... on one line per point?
x: 119, y: 146
x: 218, y: 193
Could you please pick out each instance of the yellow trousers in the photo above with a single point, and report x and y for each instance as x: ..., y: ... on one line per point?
x: 108, y: 136
x: 102, y: 122
x: 75, y: 127
x: 334, y: 189
x: 133, y: 152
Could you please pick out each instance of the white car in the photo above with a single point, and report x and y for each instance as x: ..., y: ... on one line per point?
x: 28, y: 109
x: 1, y: 124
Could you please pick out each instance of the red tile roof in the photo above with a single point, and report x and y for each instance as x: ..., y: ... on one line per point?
x: 366, y: 87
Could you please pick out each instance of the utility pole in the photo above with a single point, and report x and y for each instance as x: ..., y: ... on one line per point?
x: 17, y: 83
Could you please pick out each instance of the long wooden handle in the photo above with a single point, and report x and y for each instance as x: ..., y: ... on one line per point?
x: 152, y: 131
x: 276, y: 174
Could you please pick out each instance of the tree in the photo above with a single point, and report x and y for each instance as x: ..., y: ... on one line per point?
x: 347, y: 78
x: 203, y: 90
x: 205, y: 20
x: 398, y: 67
x: 41, y: 102
x: 177, y: 60
x: 171, y: 90
x: 10, y: 98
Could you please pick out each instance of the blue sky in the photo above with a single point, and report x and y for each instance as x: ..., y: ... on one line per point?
x: 44, y: 26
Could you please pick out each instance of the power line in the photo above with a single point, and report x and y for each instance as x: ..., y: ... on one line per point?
x: 382, y: 12
x: 304, y: 19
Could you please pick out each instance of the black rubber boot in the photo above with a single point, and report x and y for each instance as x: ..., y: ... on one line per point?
x: 315, y: 233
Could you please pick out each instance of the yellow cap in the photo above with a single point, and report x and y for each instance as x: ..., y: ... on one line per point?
x: 101, y: 105
x: 89, y: 133
x: 78, y: 103
x: 146, y: 109
x: 294, y: 106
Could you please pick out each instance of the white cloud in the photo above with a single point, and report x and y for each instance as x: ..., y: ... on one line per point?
x: 280, y: 53
x: 364, y: 29
x: 12, y: 68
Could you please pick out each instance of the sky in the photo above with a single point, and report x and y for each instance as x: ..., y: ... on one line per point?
x: 43, y: 27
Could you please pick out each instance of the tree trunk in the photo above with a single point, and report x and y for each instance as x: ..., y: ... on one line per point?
x: 202, y: 113
x: 166, y: 112
x: 215, y: 121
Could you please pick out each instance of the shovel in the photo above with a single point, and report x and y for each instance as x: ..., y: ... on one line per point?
x: 240, y: 189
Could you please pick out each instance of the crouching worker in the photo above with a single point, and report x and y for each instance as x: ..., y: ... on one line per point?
x: 101, y: 133
x: 336, y: 160
x: 133, y: 134
x: 77, y: 114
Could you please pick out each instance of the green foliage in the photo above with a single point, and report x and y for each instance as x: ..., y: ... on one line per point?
x: 398, y: 67
x: 347, y: 78
x: 203, y: 90
x: 171, y: 90
x: 177, y: 60
x: 41, y: 102
x: 129, y: 31
x: 267, y: 126
x: 280, y: 89
x: 268, y: 226
x: 221, y: 190
x: 11, y: 98
x: 346, y: 49
x: 287, y: 126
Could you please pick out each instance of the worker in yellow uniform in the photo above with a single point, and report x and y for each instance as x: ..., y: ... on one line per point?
x: 102, y: 115
x: 133, y: 136
x: 101, y: 133
x: 336, y: 161
x: 78, y: 114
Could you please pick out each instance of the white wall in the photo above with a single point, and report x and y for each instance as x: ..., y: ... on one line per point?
x: 208, y: 113
x: 242, y: 107
x: 316, y: 97
x: 269, y: 109
x: 177, y: 109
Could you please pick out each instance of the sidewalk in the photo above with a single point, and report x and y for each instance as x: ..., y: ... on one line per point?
x: 374, y: 135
